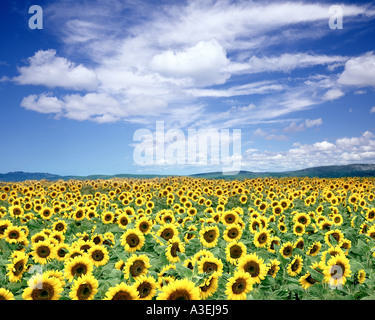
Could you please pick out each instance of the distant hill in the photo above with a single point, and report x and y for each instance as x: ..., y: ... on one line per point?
x: 339, y: 171
x: 23, y: 176
x: 351, y: 170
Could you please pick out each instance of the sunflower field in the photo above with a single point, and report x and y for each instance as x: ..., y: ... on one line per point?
x: 188, y: 238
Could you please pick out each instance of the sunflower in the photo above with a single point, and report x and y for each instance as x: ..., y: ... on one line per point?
x: 298, y: 229
x: 60, y: 225
x: 4, y: 224
x: 78, y: 266
x: 132, y: 240
x: 238, y: 286
x: 46, y: 213
x: 189, y: 234
x: 16, y: 211
x: 361, y: 276
x: 371, y: 232
x: 302, y: 218
x: 295, y: 266
x: 273, y: 267
x: 146, y: 287
x: 337, y: 219
x: 306, y: 281
x: 262, y: 238
x: 167, y: 232
x: 287, y: 249
x: 174, y: 245
x: 43, y: 287
x: 14, y: 234
x: 234, y: 251
x: 229, y: 217
x: 210, y: 265
x: 84, y: 288
x: 136, y: 266
x: 182, y: 289
x: 370, y: 214
x: 5, y: 294
x: 17, y: 267
x: 121, y: 291
x: 274, y: 241
x: 314, y: 249
x: 282, y: 227
x: 336, y: 234
x: 98, y: 254
x: 253, y: 265
x: 337, y: 271
x: 299, y: 243
x: 144, y: 225
x: 43, y: 251
x: 209, y: 236
x: 107, y: 217
x: 209, y: 286
x: 232, y: 233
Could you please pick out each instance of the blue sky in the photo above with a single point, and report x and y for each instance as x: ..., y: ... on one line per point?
x: 74, y: 93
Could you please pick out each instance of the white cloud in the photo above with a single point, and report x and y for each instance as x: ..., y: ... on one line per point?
x: 159, y: 61
x: 294, y: 127
x: 202, y: 63
x: 43, y: 103
x: 47, y: 69
x: 333, y: 94
x: 372, y: 109
x: 284, y: 63
x: 359, y: 71
x: 341, y: 151
x: 269, y: 136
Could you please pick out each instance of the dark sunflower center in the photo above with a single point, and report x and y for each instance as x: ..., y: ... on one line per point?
x: 179, y: 294
x: 175, y: 248
x: 124, y: 221
x: 253, y: 268
x: 239, y: 286
x: 209, y: 267
x: 18, y: 267
x: 338, y: 270
x: 14, y: 235
x: 209, y: 236
x: 97, y: 255
x: 295, y: 265
x: 43, y: 251
x: 45, y: 293
x: 262, y: 238
x: 144, y: 289
x: 132, y: 240
x: 287, y: 251
x: 59, y: 227
x: 232, y: 233
x: 229, y: 218
x: 137, y: 268
x: 84, y: 291
x: 167, y: 234
x: 122, y: 295
x: 79, y: 269
x: 235, y: 252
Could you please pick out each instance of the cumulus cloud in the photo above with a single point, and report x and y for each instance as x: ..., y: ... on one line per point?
x: 202, y: 63
x: 341, y: 151
x: 47, y: 69
x: 161, y: 59
x: 359, y: 71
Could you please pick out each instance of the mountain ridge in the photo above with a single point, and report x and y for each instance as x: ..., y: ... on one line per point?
x: 334, y: 171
